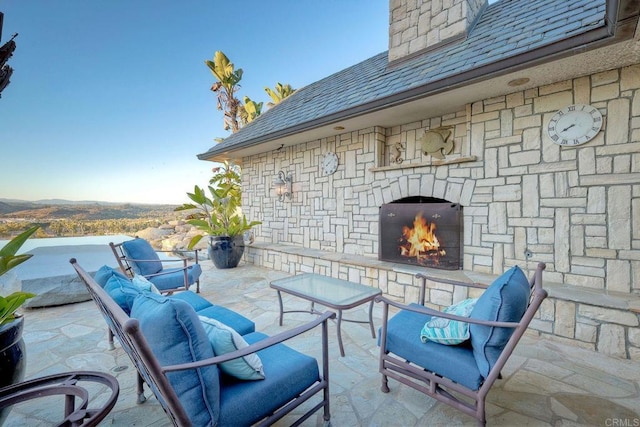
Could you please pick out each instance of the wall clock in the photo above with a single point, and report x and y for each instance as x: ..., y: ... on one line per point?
x: 329, y: 163
x: 574, y: 125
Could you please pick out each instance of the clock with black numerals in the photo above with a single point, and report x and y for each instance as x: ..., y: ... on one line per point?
x: 574, y: 125
x: 329, y: 163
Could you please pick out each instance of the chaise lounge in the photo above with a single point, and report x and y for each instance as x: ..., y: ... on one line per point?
x: 176, y: 353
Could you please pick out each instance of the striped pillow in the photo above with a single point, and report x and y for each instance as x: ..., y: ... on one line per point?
x: 449, y: 332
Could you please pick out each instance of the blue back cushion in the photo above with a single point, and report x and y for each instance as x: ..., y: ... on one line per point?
x: 104, y: 274
x: 122, y: 291
x: 194, y: 300
x: 175, y: 335
x: 142, y: 250
x: 505, y: 300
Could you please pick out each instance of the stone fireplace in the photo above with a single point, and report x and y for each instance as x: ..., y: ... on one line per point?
x: 422, y: 231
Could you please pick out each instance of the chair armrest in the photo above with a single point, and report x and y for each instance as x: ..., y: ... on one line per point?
x: 432, y: 312
x: 262, y: 344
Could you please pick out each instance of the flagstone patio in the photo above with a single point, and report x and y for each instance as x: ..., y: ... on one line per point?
x: 545, y: 383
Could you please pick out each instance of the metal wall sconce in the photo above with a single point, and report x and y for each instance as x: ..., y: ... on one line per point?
x: 282, y: 185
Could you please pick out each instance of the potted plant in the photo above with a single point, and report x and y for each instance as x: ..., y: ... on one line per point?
x: 219, y: 215
x: 12, y: 349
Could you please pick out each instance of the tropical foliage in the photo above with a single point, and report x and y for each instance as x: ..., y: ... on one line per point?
x: 226, y: 87
x: 250, y: 110
x: 218, y: 213
x: 236, y: 113
x: 9, y: 260
x: 281, y: 92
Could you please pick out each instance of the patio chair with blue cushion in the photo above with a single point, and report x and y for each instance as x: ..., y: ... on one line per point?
x: 456, y: 355
x: 205, y: 374
x: 137, y: 256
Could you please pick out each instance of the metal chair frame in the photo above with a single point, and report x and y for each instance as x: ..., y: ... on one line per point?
x: 149, y: 369
x: 124, y: 262
x: 69, y: 385
x: 471, y: 402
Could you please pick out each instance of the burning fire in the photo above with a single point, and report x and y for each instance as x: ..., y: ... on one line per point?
x: 420, y: 241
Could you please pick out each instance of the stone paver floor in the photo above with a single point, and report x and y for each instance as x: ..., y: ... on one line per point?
x: 545, y: 383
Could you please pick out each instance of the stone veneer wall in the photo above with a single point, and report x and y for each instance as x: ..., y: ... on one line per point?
x: 575, y: 208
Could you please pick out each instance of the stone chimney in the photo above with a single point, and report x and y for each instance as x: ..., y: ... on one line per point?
x: 418, y: 25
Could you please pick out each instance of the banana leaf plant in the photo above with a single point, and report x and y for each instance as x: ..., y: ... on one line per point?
x: 9, y: 260
x: 218, y: 213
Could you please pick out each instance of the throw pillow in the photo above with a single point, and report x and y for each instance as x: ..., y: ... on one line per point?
x: 144, y: 284
x: 104, y: 273
x: 122, y: 291
x: 225, y: 340
x: 447, y: 331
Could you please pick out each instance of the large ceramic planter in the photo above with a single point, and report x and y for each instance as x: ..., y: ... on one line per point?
x: 13, y: 359
x: 224, y: 251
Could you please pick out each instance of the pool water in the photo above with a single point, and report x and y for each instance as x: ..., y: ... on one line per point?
x: 33, y: 243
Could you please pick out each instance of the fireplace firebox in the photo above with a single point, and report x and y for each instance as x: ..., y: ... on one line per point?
x: 421, y: 231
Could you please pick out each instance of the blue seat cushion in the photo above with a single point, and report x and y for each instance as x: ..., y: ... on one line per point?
x: 505, y: 300
x: 104, y: 273
x: 194, y: 300
x: 176, y: 336
x: 287, y: 374
x: 238, y: 322
x: 455, y: 362
x: 172, y: 278
x: 122, y: 291
x: 140, y: 249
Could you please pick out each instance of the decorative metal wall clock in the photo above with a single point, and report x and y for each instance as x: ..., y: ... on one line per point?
x: 574, y: 125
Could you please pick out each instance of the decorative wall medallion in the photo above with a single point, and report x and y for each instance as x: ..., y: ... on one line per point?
x: 574, y: 125
x: 437, y: 142
x: 395, y: 153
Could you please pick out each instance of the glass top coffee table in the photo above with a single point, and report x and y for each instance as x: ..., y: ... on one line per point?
x: 330, y: 292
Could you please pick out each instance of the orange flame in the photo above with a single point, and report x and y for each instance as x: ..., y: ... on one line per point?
x: 421, y: 240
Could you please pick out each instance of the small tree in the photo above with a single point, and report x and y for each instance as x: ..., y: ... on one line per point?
x: 226, y: 88
x: 237, y: 114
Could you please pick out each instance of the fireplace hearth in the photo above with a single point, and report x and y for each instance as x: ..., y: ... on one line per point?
x: 421, y: 231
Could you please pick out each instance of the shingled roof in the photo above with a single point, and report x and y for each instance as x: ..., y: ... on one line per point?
x: 508, y: 33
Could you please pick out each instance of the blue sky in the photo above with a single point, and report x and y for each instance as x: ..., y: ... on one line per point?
x: 110, y: 99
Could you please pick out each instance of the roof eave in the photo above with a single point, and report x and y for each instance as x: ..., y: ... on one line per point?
x: 621, y: 20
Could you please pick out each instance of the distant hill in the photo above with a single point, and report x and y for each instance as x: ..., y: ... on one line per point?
x: 85, y: 210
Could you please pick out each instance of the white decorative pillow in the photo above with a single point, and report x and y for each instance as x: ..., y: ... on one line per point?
x: 144, y: 284
x: 446, y: 331
x: 225, y: 340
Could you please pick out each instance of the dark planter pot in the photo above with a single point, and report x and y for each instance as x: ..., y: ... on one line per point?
x: 224, y: 251
x: 13, y: 358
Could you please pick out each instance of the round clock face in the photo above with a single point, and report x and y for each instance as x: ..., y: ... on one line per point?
x: 575, y: 125
x: 329, y: 163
